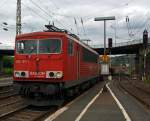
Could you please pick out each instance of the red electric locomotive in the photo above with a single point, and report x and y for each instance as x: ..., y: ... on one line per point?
x: 51, y: 64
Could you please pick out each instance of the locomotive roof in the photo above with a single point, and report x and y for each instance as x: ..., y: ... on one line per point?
x: 39, y: 33
x: 56, y: 34
x: 84, y: 45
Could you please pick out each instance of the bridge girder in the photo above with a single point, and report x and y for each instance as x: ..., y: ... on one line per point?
x: 130, y: 49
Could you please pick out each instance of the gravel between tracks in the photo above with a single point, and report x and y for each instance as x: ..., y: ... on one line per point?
x: 139, y: 92
x: 28, y: 114
x: 7, y: 91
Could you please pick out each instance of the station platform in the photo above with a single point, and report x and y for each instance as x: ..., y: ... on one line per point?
x: 6, y: 81
x: 93, y: 105
x: 136, y: 110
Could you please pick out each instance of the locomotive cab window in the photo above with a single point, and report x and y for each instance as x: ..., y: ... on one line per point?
x: 26, y: 46
x: 46, y: 46
x: 50, y: 46
x: 70, y: 47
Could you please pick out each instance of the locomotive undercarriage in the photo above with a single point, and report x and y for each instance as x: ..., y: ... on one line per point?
x: 44, y: 94
x: 41, y: 94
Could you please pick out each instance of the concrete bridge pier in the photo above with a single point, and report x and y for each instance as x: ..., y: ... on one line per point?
x: 141, y: 66
x: 137, y: 66
x: 1, y: 63
x: 143, y: 69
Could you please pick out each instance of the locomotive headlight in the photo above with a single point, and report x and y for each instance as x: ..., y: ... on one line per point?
x: 24, y: 74
x: 59, y: 74
x: 17, y: 74
x: 51, y: 74
x: 54, y: 74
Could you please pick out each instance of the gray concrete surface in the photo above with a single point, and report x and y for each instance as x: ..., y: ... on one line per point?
x: 103, y: 109
x: 6, y: 81
x: 134, y: 108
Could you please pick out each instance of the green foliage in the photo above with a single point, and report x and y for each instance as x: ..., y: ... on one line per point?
x: 8, y: 61
x: 147, y: 80
x: 148, y: 55
x: 8, y: 71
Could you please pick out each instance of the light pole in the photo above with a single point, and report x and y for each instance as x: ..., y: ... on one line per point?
x: 104, y: 19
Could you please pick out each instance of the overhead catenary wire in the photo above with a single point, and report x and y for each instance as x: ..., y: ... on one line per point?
x: 3, y: 2
x: 54, y: 14
x: 75, y: 22
x: 36, y: 13
x: 44, y: 11
x: 143, y: 25
x: 41, y: 16
x: 130, y: 29
x: 47, y: 13
x: 47, y: 18
x: 127, y: 21
x: 54, y: 4
x: 7, y: 27
x: 84, y: 33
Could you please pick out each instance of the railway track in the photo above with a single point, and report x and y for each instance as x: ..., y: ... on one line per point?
x: 10, y: 100
x: 11, y: 105
x: 141, y: 86
x: 15, y: 108
x: 29, y: 114
x: 7, y: 91
x: 136, y: 91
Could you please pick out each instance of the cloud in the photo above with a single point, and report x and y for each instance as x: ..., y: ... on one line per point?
x: 63, y: 12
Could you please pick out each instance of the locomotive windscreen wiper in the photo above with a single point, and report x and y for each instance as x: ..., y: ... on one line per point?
x: 49, y: 46
x: 32, y: 49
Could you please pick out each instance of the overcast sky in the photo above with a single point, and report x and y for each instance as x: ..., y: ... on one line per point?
x: 37, y: 13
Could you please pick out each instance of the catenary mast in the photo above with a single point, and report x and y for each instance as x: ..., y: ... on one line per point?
x: 18, y: 18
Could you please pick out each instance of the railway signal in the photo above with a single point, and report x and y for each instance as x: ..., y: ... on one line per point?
x: 145, y: 38
x: 109, y: 43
